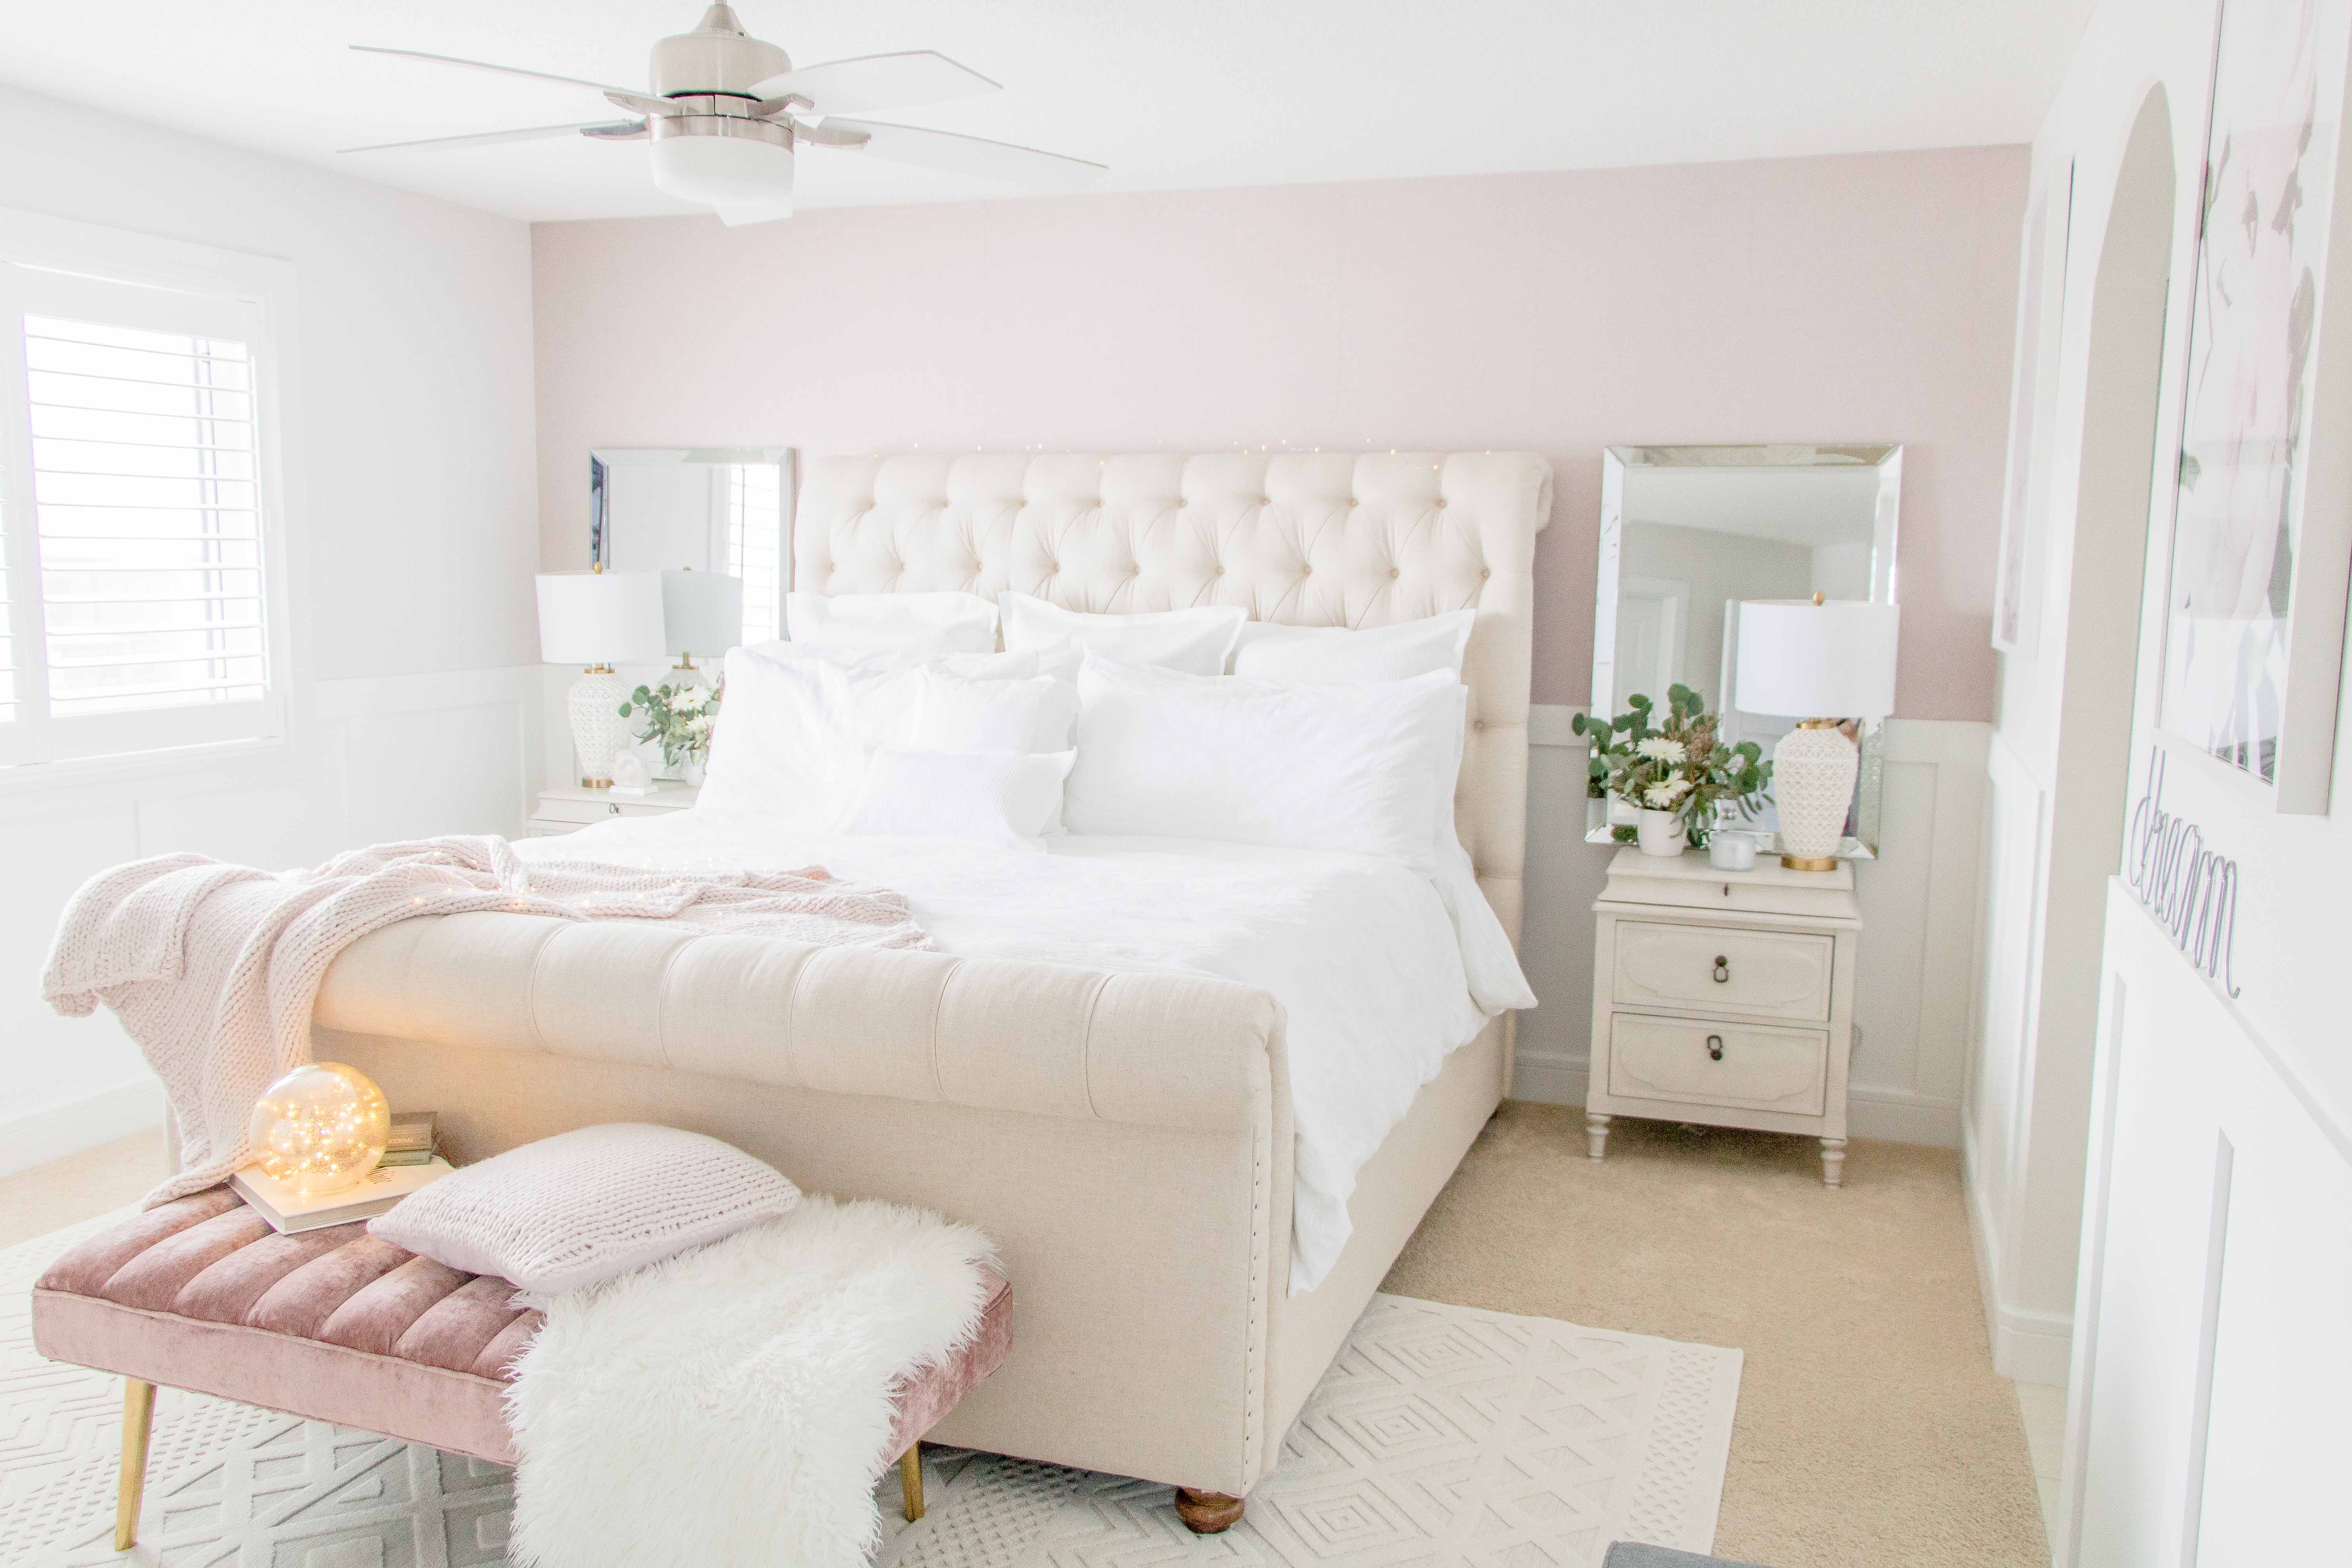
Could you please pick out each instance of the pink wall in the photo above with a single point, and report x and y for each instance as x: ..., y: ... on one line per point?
x: 1847, y: 298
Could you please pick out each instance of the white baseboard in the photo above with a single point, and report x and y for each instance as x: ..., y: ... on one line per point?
x: 40, y: 1136
x: 1895, y: 1115
x: 2028, y: 1344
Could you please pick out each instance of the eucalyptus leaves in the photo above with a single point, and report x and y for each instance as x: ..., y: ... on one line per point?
x: 1678, y: 765
x: 679, y: 717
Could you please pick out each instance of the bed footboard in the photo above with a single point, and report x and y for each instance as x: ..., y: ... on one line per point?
x: 1125, y: 1138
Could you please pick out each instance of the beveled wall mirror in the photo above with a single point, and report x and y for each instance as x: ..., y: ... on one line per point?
x: 713, y: 509
x: 1687, y: 532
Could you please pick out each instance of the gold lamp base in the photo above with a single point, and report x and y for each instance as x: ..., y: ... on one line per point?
x: 1810, y: 862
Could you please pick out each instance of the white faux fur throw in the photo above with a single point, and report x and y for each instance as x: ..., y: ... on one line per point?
x: 212, y: 968
x: 730, y: 1405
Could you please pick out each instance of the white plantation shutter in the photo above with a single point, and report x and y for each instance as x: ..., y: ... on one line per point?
x: 133, y: 515
x: 754, y: 510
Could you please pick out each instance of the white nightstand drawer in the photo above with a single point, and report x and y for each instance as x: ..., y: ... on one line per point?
x: 579, y: 811
x: 1722, y: 969
x: 1700, y: 1063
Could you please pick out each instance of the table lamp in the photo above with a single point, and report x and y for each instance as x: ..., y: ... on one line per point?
x: 1825, y: 663
x: 599, y: 619
x: 701, y: 612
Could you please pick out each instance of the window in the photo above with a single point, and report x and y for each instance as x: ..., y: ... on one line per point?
x: 134, y: 504
x: 754, y: 510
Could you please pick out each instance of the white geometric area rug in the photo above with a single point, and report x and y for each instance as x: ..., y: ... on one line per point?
x: 1443, y: 1435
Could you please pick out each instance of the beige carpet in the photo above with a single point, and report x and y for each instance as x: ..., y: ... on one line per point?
x: 1872, y: 1430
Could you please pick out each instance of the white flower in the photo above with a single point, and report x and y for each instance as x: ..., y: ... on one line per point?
x: 699, y: 724
x: 690, y: 696
x: 1661, y: 748
x: 1662, y: 796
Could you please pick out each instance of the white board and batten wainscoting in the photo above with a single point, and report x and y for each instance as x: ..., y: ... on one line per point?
x: 378, y: 759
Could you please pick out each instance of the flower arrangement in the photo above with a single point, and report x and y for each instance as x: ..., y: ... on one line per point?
x: 679, y: 717
x: 1681, y: 766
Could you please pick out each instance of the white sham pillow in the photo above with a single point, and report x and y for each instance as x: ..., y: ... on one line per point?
x: 905, y: 626
x: 982, y: 797
x: 1196, y: 641
x: 1339, y: 656
x: 960, y: 713
x: 1365, y: 767
x: 792, y: 731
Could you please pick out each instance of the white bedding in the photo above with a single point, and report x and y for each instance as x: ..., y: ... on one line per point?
x: 1360, y: 950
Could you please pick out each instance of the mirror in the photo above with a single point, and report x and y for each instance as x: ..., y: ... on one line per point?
x: 1687, y: 532
x: 713, y: 509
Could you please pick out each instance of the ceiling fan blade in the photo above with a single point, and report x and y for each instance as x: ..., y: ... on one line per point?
x: 741, y: 213
x: 604, y: 129
x: 956, y: 154
x: 486, y: 66
x: 879, y: 81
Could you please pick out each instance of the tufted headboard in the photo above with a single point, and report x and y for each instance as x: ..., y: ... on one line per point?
x: 1307, y: 539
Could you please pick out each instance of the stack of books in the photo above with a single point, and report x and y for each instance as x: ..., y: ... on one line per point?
x: 288, y: 1211
x: 411, y: 1140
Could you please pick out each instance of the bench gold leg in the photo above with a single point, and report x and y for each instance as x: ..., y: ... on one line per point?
x: 138, y: 1420
x: 910, y: 1481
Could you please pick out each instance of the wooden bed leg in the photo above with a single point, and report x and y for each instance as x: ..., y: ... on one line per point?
x: 1208, y: 1514
x: 910, y: 1482
x: 1596, y: 1134
x: 138, y: 1420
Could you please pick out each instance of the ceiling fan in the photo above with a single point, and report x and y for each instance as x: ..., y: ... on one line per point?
x: 727, y: 111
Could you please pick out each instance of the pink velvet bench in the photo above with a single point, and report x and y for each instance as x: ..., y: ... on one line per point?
x: 337, y: 1325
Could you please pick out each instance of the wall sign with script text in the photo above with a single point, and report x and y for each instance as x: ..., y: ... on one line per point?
x: 2190, y: 891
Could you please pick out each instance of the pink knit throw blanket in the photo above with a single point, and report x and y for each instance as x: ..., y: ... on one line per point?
x: 213, y: 969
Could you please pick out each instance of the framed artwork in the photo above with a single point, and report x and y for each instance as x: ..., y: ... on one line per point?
x: 2032, y: 409
x: 2254, y: 627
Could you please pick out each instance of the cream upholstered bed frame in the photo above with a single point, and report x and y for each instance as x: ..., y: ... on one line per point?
x: 1336, y: 539
x: 1126, y: 1138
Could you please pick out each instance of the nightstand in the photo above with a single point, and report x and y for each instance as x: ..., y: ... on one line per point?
x: 1724, y: 998
x: 568, y: 808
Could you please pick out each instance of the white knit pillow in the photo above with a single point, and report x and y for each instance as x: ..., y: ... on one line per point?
x: 583, y: 1207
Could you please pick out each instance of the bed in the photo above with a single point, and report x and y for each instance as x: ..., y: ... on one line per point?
x: 1119, y: 1117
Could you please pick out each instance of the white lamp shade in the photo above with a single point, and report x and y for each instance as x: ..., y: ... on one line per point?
x: 702, y: 612
x: 600, y: 617
x: 1803, y: 660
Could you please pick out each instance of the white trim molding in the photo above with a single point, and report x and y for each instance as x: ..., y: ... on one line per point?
x: 49, y: 1132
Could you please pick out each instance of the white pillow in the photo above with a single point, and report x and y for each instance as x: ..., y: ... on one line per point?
x: 906, y: 626
x: 984, y: 797
x: 955, y: 713
x: 792, y: 731
x: 1365, y: 767
x: 1337, y: 654
x: 1197, y: 641
x: 583, y: 1207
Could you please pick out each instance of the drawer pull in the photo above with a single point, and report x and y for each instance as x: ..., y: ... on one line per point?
x: 1715, y: 1047
x: 615, y: 810
x: 1722, y: 970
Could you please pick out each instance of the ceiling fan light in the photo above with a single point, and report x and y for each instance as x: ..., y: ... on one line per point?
x: 721, y: 171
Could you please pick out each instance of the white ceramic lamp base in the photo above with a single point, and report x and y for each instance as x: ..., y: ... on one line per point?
x: 1813, y: 770
x: 598, y: 731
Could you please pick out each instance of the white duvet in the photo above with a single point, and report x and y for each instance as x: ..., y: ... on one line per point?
x: 1360, y: 950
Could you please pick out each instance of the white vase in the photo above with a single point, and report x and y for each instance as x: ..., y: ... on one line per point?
x: 689, y: 772
x: 1662, y: 832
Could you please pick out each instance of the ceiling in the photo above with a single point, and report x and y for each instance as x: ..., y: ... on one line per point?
x: 1170, y: 93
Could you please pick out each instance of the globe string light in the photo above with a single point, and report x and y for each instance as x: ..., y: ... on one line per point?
x: 320, y: 1129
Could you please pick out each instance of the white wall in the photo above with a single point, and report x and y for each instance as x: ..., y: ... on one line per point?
x: 412, y: 521
x: 2202, y: 1294
x: 1912, y: 990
